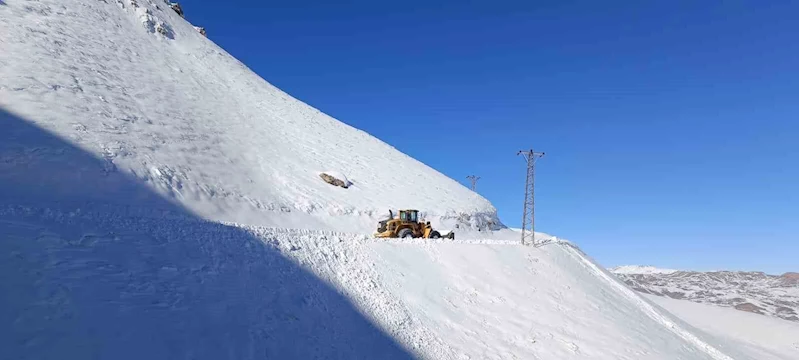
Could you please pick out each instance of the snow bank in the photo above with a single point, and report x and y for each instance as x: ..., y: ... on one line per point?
x: 500, y: 301
x: 107, y: 283
x: 104, y: 284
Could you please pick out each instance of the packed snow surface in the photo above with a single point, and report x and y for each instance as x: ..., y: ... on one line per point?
x: 158, y: 200
x: 500, y: 301
x: 111, y: 283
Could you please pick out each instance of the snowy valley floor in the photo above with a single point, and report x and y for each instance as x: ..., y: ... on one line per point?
x: 758, y: 336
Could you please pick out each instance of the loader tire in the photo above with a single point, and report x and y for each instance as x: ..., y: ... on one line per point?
x: 405, y: 233
x: 435, y: 235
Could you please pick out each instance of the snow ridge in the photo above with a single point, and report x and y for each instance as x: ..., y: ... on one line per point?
x: 648, y: 307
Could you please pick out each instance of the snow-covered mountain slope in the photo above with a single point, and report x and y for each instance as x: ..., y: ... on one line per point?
x: 504, y: 301
x: 128, y: 140
x: 759, y: 337
x: 133, y: 83
x: 105, y: 284
x: 757, y: 292
x: 100, y: 283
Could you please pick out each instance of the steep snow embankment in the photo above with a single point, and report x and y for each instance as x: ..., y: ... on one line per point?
x: 98, y: 265
x: 133, y: 83
x: 114, y: 284
x: 500, y: 301
x: 110, y: 283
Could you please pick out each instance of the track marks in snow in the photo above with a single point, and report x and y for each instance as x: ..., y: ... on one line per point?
x: 341, y: 260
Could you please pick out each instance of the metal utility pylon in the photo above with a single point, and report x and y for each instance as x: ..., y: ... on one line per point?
x: 528, y: 218
x: 473, y: 179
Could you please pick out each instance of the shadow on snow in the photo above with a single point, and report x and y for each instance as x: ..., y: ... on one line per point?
x: 96, y: 265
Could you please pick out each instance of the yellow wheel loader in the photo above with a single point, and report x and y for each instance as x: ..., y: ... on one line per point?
x: 408, y: 225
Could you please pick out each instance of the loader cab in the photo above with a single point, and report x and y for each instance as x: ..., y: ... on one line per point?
x: 409, y: 215
x: 408, y: 225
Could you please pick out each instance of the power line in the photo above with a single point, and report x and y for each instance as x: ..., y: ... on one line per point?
x: 528, y: 218
x: 473, y: 180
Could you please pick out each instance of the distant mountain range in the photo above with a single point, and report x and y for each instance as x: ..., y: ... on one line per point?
x: 752, y: 291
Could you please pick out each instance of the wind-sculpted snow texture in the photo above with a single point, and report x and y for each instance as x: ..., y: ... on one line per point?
x: 133, y: 83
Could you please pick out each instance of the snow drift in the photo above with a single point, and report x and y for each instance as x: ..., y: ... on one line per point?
x: 143, y: 172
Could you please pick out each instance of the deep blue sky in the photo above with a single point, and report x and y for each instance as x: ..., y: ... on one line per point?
x: 670, y: 128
